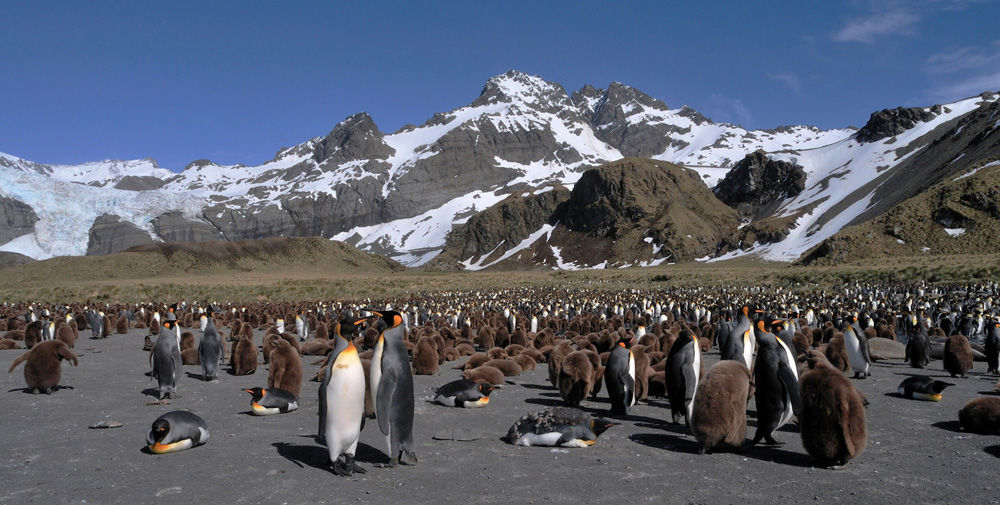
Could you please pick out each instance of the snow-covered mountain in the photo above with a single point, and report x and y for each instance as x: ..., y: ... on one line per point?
x: 400, y: 194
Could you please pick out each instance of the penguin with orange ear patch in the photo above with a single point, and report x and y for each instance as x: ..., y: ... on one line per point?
x: 166, y: 357
x: 342, y: 401
x: 464, y: 393
x: 777, y: 385
x: 176, y: 431
x: 619, y: 376
x: 270, y: 401
x: 43, y: 369
x: 682, y: 370
x: 392, y: 387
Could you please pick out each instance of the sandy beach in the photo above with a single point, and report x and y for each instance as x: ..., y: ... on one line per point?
x: 48, y: 454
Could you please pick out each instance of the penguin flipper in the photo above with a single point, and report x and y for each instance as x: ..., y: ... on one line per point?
x: 690, y: 383
x: 18, y: 361
x: 791, y: 383
x: 386, y: 388
x: 863, y: 340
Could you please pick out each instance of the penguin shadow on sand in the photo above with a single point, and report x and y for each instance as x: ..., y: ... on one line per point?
x: 55, y: 388
x: 317, y: 456
x: 992, y: 450
x: 155, y: 393
x: 953, y: 426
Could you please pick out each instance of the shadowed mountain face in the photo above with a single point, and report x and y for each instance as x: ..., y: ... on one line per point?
x: 402, y: 194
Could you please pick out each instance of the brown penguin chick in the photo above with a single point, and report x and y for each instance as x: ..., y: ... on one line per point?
x: 485, y: 338
x: 43, y: 369
x: 243, y: 360
x: 527, y: 363
x: 66, y: 334
x: 235, y: 329
x: 322, y: 331
x: 597, y: 381
x: 425, y: 357
x: 190, y: 356
x: 187, y: 341
x: 513, y: 350
x: 555, y: 358
x: 14, y: 335
x: 286, y: 368
x: 465, y: 349
x: 519, y: 337
x: 451, y: 354
x: 147, y: 344
x: 836, y: 353
x: 317, y: 347
x: 121, y: 326
x: 508, y: 367
x: 957, y: 356
x: 719, y: 414
x: 832, y: 420
x: 497, y: 353
x: 801, y: 342
x: 657, y: 384
x: 802, y: 360
x: 7, y: 344
x: 154, y: 327
x: 474, y: 361
x: 33, y: 333
x: 441, y: 347
x: 484, y: 375
x: 533, y: 354
x: 369, y: 404
x: 705, y: 344
x: 981, y: 415
x: 575, y: 379
x: 269, y: 342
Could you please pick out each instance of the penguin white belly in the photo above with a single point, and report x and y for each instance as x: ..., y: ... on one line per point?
x: 480, y: 403
x: 345, y: 407
x: 854, y: 355
x: 259, y: 410
x: 696, y: 365
x: 544, y: 439
x: 375, y: 371
x: 631, y: 373
x: 748, y: 348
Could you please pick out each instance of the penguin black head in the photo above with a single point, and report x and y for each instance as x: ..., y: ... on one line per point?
x: 160, y: 429
x: 600, y: 425
x: 391, y: 318
x: 257, y: 392
x: 939, y: 386
x: 486, y: 389
x: 348, y: 327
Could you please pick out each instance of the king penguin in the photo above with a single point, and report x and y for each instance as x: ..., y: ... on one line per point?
x: 392, y: 388
x: 342, y: 400
x: 619, y: 376
x: 210, y: 349
x: 464, y: 393
x: 857, y: 348
x: 682, y: 372
x: 918, y: 342
x: 992, y: 346
x: 740, y: 342
x: 166, y: 357
x: 776, y: 379
x: 270, y: 401
x: 176, y: 431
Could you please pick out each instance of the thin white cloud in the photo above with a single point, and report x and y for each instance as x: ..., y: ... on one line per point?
x: 789, y: 79
x: 964, y: 72
x: 868, y: 29
x: 728, y: 110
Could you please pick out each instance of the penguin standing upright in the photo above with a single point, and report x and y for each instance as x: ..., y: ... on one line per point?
x: 210, y: 349
x: 856, y: 344
x: 619, y: 376
x: 301, y: 325
x: 166, y: 357
x: 777, y: 385
x: 918, y: 343
x: 392, y: 388
x: 342, y: 400
x: 992, y: 346
x: 740, y: 342
x: 682, y: 372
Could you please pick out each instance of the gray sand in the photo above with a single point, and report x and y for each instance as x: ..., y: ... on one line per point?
x: 48, y: 455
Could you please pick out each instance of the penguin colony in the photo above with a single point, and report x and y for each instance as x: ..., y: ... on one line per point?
x: 795, y: 356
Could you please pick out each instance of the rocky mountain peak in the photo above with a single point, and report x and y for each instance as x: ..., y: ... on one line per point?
x: 356, y: 137
x: 518, y: 87
x: 891, y: 122
x: 758, y: 184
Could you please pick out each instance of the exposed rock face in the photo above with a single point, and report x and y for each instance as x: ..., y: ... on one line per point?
x: 355, y: 138
x: 109, y: 234
x: 12, y: 259
x: 134, y: 183
x: 612, y: 114
x: 636, y: 203
x: 757, y: 185
x: 891, y: 122
x: 16, y: 219
x: 502, y: 226
x: 173, y: 227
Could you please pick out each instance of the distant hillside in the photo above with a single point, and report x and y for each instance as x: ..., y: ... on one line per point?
x: 958, y: 216
x: 179, y: 261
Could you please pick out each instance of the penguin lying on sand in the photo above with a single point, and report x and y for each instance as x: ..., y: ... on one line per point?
x: 922, y: 388
x: 464, y: 393
x: 270, y: 401
x: 176, y: 431
x: 557, y: 427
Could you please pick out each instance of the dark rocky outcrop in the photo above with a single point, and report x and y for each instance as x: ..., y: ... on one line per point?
x: 610, y: 113
x: 891, y: 122
x: 16, y: 219
x: 174, y: 227
x: 757, y: 185
x: 109, y: 234
x: 13, y: 259
x: 137, y: 183
x: 355, y: 138
x: 501, y: 227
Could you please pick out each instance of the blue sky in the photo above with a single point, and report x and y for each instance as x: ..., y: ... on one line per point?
x: 235, y: 81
